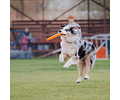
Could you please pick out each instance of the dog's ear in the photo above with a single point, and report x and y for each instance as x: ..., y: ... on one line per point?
x: 72, y: 28
x: 62, y: 26
x: 76, y: 28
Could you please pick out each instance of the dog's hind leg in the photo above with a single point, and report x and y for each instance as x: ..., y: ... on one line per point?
x: 88, y: 67
x: 92, y: 60
x: 80, y: 67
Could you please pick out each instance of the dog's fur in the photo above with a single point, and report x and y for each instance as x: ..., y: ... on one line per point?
x: 80, y: 52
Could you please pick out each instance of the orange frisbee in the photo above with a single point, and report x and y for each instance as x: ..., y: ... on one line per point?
x: 54, y: 36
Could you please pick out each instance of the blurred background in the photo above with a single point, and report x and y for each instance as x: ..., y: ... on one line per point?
x: 33, y: 21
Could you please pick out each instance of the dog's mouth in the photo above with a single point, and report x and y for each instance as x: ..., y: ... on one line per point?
x: 62, y: 34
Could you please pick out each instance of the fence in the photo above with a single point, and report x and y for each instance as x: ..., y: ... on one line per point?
x: 42, y: 29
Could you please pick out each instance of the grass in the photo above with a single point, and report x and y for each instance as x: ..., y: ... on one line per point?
x: 46, y: 79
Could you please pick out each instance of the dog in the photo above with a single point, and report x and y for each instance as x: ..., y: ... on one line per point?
x: 68, y: 45
x: 77, y: 51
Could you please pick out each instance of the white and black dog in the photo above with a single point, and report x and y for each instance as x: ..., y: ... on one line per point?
x: 80, y: 52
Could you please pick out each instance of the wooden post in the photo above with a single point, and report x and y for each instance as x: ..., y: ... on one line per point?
x: 22, y: 7
x: 104, y: 16
x: 100, y: 41
x: 96, y: 42
x: 42, y: 9
x: 88, y: 17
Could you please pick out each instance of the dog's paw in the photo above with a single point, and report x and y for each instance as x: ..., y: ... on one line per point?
x: 86, y: 77
x: 66, y: 65
x: 79, y: 80
x: 61, y: 58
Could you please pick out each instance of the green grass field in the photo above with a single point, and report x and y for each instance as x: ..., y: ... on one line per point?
x: 46, y: 79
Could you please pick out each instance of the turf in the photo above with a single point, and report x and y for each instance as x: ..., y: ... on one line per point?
x: 46, y: 79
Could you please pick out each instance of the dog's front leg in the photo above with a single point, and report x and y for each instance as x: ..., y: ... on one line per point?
x: 62, y: 57
x: 72, y: 61
x: 88, y: 68
x: 80, y: 68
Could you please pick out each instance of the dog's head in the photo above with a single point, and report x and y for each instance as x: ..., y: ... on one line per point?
x: 68, y: 31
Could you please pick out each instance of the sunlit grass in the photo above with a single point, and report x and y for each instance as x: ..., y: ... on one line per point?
x: 46, y: 79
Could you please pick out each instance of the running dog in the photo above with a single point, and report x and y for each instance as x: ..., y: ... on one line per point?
x: 80, y: 52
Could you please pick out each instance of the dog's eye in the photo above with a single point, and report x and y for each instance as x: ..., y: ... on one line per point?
x: 73, y: 33
x: 67, y: 29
